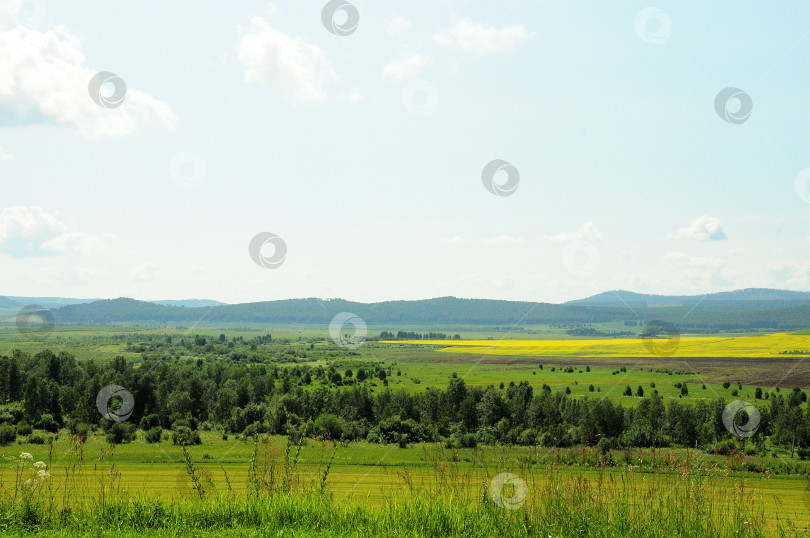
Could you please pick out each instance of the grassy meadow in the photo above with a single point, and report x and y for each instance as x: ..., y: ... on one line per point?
x: 239, y: 485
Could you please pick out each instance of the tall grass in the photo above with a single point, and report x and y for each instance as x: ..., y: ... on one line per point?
x: 682, y: 499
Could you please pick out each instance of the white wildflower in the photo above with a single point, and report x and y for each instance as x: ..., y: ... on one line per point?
x: 44, y: 475
x: 26, y: 456
x: 40, y: 465
x: 29, y: 481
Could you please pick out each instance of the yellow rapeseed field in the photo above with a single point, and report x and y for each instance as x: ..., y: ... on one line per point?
x: 767, y: 345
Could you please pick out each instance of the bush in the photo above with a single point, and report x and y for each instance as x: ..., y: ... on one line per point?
x: 47, y: 423
x: 23, y: 428
x: 8, y: 434
x: 36, y: 439
x: 329, y: 426
x: 604, y: 446
x: 185, y: 436
x: 121, y: 433
x: 153, y: 435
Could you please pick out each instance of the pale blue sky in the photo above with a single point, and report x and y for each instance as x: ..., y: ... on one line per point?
x: 628, y: 176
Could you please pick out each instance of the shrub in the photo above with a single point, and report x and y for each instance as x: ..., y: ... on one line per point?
x: 153, y: 435
x: 121, y: 433
x: 8, y: 434
x: 23, y: 428
x: 36, y: 439
x: 47, y: 423
x: 185, y: 436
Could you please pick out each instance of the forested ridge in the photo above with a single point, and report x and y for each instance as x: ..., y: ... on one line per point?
x: 700, y: 317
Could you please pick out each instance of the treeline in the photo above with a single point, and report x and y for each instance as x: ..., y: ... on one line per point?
x: 50, y: 391
x: 411, y: 335
x: 734, y: 316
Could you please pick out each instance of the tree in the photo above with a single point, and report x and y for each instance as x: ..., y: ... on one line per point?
x: 640, y: 392
x: 628, y: 391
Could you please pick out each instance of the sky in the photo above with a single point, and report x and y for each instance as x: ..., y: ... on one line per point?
x: 521, y: 149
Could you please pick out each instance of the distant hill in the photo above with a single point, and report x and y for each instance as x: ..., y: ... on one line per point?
x: 728, y: 311
x: 47, y: 302
x: 768, y: 297
x: 190, y: 303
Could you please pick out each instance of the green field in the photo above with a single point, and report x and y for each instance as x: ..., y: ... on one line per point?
x: 388, y: 488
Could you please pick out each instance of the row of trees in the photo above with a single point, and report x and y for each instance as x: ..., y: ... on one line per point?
x: 50, y: 390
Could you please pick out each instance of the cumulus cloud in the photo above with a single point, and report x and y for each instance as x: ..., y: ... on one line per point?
x: 44, y: 78
x: 5, y: 156
x: 703, y: 228
x: 397, y: 25
x: 693, y: 272
x: 792, y: 275
x: 297, y: 69
x: 586, y: 232
x: 145, y: 272
x: 32, y: 231
x: 455, y: 240
x: 407, y: 66
x: 474, y: 37
x: 503, y: 240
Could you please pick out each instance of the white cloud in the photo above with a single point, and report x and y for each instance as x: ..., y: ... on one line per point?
x: 703, y: 228
x: 407, y: 66
x: 291, y: 65
x: 456, y: 240
x: 44, y: 77
x: 474, y: 37
x: 792, y: 275
x: 5, y: 156
x: 586, y: 232
x: 32, y: 231
x: 503, y: 240
x: 695, y: 273
x: 397, y: 25
x: 145, y: 272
